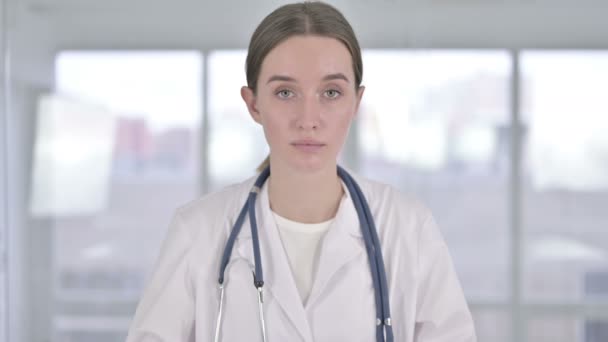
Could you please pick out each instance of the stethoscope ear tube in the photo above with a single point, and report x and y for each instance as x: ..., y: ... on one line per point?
x: 218, y: 322
x: 385, y: 323
x: 230, y: 243
x: 258, y: 275
x: 372, y: 243
x: 369, y: 246
x: 236, y: 229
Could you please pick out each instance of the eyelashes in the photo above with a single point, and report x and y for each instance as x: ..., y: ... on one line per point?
x: 287, y: 93
x: 335, y: 93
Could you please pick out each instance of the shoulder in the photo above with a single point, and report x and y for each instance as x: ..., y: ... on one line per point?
x: 212, y: 209
x: 379, y: 194
x: 394, y: 208
x: 401, y: 218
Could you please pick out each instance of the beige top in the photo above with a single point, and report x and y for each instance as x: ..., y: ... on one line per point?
x: 302, y: 242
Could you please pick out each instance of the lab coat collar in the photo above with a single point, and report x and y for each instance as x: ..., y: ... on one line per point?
x: 346, y: 215
x: 341, y: 245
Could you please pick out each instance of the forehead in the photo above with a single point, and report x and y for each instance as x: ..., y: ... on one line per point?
x: 308, y: 57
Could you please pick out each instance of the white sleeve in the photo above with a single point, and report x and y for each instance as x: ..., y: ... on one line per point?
x: 442, y: 314
x: 166, y: 310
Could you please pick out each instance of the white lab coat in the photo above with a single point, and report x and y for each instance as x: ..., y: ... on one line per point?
x: 181, y: 300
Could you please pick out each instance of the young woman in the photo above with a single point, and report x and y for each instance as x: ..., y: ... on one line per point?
x: 303, y: 251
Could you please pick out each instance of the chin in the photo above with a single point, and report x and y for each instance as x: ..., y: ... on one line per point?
x: 299, y: 162
x: 311, y: 165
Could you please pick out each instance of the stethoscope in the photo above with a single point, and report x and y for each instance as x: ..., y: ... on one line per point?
x: 384, y: 330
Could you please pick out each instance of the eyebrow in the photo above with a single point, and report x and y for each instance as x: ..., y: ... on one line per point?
x: 336, y: 76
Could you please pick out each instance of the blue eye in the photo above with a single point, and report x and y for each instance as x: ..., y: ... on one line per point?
x: 332, y: 93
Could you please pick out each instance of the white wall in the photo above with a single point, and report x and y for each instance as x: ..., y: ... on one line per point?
x: 42, y: 27
x: 426, y: 23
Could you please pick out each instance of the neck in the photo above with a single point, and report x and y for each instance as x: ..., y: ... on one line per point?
x: 307, y: 197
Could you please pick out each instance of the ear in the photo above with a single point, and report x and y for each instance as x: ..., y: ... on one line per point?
x: 250, y: 101
x: 360, y: 92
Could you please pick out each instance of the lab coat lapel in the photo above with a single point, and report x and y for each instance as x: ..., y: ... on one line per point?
x: 278, y: 278
x: 342, y: 244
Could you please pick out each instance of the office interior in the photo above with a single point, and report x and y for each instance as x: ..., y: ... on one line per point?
x: 114, y: 113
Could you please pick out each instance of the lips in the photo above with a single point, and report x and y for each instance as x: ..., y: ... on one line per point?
x: 308, y: 145
x: 307, y: 142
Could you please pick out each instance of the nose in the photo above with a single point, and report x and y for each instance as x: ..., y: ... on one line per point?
x: 309, y: 114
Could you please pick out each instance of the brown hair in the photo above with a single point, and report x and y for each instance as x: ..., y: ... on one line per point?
x: 305, y: 18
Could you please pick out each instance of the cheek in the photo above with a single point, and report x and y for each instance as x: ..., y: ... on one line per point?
x: 275, y: 125
x: 343, y: 128
x: 342, y: 120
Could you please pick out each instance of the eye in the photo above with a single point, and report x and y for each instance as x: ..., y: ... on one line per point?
x: 332, y: 93
x: 285, y: 93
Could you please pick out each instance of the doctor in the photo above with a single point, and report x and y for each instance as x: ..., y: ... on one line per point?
x: 304, y: 74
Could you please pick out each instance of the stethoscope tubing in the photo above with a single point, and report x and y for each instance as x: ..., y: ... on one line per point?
x: 384, y: 330
x: 383, y: 323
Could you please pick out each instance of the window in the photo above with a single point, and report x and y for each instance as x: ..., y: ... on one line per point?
x: 117, y: 150
x: 565, y: 192
x: 565, y: 172
x: 566, y: 328
x: 3, y: 235
x: 236, y: 143
x: 435, y: 124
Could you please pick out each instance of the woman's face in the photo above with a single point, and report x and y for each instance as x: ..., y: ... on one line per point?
x: 306, y: 100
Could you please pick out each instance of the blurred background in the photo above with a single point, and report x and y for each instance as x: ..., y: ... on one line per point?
x: 114, y: 113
